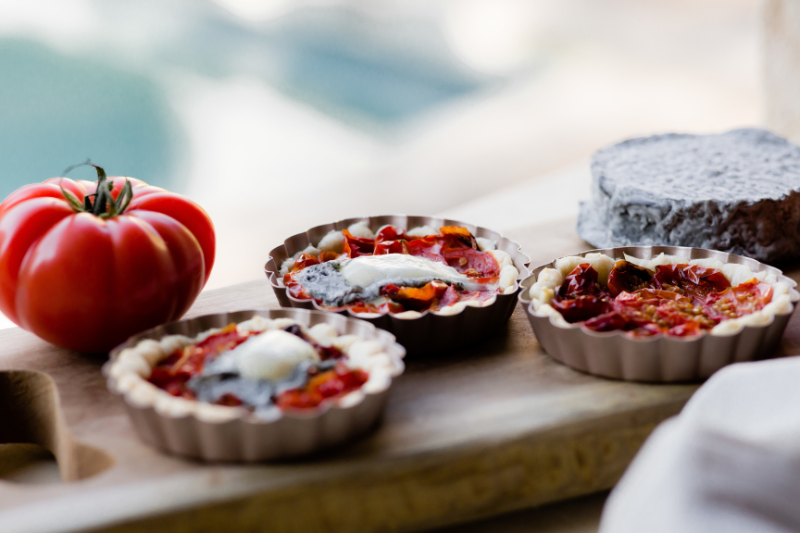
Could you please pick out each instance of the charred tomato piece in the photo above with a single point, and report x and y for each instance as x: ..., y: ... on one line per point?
x: 582, y: 281
x: 609, y: 321
x: 693, y: 281
x: 356, y: 246
x: 416, y: 299
x: 581, y: 308
x: 627, y: 277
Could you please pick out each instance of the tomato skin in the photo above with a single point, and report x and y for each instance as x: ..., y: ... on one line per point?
x: 185, y: 211
x: 19, y: 230
x: 86, y: 283
x: 48, y: 189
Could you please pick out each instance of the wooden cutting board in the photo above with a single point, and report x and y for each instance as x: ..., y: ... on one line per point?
x: 466, y: 435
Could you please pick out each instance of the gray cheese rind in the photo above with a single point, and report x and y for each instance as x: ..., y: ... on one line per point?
x: 735, y: 192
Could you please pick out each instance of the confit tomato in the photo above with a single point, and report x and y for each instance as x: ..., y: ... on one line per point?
x: 627, y: 277
x: 85, y: 265
x: 679, y: 300
x: 741, y: 300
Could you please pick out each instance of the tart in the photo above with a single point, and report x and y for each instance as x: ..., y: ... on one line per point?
x: 404, y: 274
x: 598, y: 310
x: 393, y: 271
x: 258, y: 369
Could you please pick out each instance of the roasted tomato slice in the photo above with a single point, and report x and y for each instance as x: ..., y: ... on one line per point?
x: 172, y: 373
x: 390, y: 233
x: 356, y: 246
x: 326, y: 256
x: 693, y: 281
x: 426, y: 247
x: 391, y: 247
x: 581, y: 307
x: 330, y: 384
x: 471, y: 262
x: 449, y: 297
x: 626, y: 276
x: 390, y: 240
x: 607, y: 322
x: 304, y: 261
x: 414, y: 298
x: 581, y: 297
x: 664, y: 309
x: 460, y: 234
x: 686, y: 329
x: 743, y: 299
x: 582, y: 281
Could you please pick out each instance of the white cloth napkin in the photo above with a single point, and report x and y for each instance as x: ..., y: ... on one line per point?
x: 730, y: 462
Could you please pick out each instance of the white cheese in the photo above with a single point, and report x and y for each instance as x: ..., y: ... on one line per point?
x: 485, y: 244
x: 508, y: 276
x: 257, y: 323
x: 503, y: 258
x: 359, y: 229
x: 366, y: 270
x: 323, y: 334
x: 332, y: 242
x: 343, y: 342
x: 547, y: 282
x: 272, y: 355
x: 422, y: 231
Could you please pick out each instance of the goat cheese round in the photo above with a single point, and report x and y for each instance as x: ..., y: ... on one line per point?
x: 737, y: 192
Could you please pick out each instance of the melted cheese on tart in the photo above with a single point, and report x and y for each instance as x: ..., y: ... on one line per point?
x: 367, y: 270
x: 271, y: 355
x: 342, y: 281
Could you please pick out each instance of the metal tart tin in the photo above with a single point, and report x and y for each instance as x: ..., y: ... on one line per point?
x: 661, y: 358
x: 247, y: 438
x: 430, y: 333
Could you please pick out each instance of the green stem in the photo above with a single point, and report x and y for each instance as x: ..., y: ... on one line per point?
x: 104, y: 205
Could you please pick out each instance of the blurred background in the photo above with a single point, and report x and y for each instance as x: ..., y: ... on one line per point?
x: 276, y: 115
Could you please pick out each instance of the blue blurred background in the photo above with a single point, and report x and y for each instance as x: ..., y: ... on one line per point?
x: 57, y: 109
x: 109, y: 97
x: 276, y: 115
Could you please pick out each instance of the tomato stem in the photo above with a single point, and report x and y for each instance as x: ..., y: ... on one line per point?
x: 104, y: 204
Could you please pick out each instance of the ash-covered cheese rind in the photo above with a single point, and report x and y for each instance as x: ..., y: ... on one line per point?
x: 736, y: 192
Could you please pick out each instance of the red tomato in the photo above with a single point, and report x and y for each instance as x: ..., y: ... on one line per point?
x: 86, y: 281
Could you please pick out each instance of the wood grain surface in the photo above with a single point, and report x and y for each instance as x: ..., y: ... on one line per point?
x: 467, y: 435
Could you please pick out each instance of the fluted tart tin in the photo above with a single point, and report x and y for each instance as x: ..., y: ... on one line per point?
x: 660, y: 358
x: 217, y: 433
x: 429, y: 332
